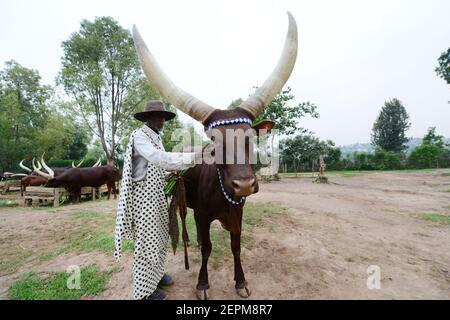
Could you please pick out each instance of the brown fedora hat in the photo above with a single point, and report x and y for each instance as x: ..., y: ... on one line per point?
x: 154, y: 107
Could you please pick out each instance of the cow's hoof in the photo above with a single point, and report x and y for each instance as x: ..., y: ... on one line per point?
x: 243, y: 291
x: 203, y: 294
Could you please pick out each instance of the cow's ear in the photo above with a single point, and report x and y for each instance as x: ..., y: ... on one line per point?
x: 265, y: 126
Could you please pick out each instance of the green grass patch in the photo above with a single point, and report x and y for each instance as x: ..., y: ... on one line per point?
x: 88, y: 214
x: 446, y: 174
x: 413, y: 170
x: 97, y: 240
x: 50, y: 255
x: 44, y: 207
x: 8, y: 204
x: 96, y: 235
x: 254, y: 214
x: 33, y: 286
x: 436, y: 217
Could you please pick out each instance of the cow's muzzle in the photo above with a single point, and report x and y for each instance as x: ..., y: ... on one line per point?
x: 243, y: 188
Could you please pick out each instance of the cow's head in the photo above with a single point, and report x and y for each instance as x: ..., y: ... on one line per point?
x: 50, y: 175
x: 238, y: 179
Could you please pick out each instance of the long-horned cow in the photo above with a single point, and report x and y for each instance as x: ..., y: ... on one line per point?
x: 217, y: 191
x: 73, y: 179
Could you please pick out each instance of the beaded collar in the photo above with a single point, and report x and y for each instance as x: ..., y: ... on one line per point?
x: 228, y: 197
x: 231, y: 121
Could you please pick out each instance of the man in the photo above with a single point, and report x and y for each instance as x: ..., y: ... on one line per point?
x: 142, y: 213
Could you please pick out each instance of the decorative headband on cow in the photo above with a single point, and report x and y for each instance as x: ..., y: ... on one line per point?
x: 227, y: 122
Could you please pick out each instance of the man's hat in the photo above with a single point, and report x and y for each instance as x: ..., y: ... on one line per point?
x: 154, y: 107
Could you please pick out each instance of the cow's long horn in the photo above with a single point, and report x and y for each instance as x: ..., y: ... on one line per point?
x: 23, y: 167
x: 256, y: 103
x: 73, y: 165
x: 182, y: 100
x: 97, y: 164
x: 46, y: 167
x: 45, y: 175
x: 80, y: 163
x: 39, y: 164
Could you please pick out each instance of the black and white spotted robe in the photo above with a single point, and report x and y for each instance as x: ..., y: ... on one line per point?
x: 142, y: 213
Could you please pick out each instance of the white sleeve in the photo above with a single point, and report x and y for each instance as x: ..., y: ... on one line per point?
x: 170, y: 161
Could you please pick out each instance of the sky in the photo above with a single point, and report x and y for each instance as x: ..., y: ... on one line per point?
x: 353, y: 54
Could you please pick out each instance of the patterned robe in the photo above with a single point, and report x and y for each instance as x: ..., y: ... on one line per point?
x: 142, y: 216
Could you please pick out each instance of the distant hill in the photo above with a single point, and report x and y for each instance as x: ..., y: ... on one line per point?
x: 367, y: 147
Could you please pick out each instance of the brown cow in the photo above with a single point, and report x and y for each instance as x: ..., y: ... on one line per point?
x: 74, y: 179
x: 31, y: 180
x: 218, y: 191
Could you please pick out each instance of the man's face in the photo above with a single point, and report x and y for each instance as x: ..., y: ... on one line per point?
x: 156, y: 122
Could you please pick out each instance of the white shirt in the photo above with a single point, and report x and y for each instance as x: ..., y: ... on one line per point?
x: 145, y: 151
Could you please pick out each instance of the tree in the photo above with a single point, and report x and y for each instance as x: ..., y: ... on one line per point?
x: 101, y: 72
x: 303, y: 151
x: 285, y: 115
x: 235, y: 103
x: 433, y: 139
x: 23, y: 112
x: 30, y: 119
x: 389, y: 129
x: 77, y: 149
x: 443, y: 70
x: 433, y: 152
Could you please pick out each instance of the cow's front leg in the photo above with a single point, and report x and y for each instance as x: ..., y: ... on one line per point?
x: 203, y: 283
x: 197, y: 226
x: 241, y: 284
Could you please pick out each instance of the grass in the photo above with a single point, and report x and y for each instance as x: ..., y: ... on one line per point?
x: 101, y: 241
x: 88, y: 214
x: 33, y: 286
x: 50, y: 255
x: 351, y: 174
x: 45, y: 207
x: 254, y: 216
x: 10, y: 264
x: 412, y: 170
x: 97, y: 234
x: 94, y: 232
x: 354, y: 173
x: 8, y: 204
x: 436, y: 217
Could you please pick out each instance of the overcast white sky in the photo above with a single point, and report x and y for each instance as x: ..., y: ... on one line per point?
x: 354, y: 54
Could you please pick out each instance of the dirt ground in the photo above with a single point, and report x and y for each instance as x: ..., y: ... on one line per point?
x: 320, y: 250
